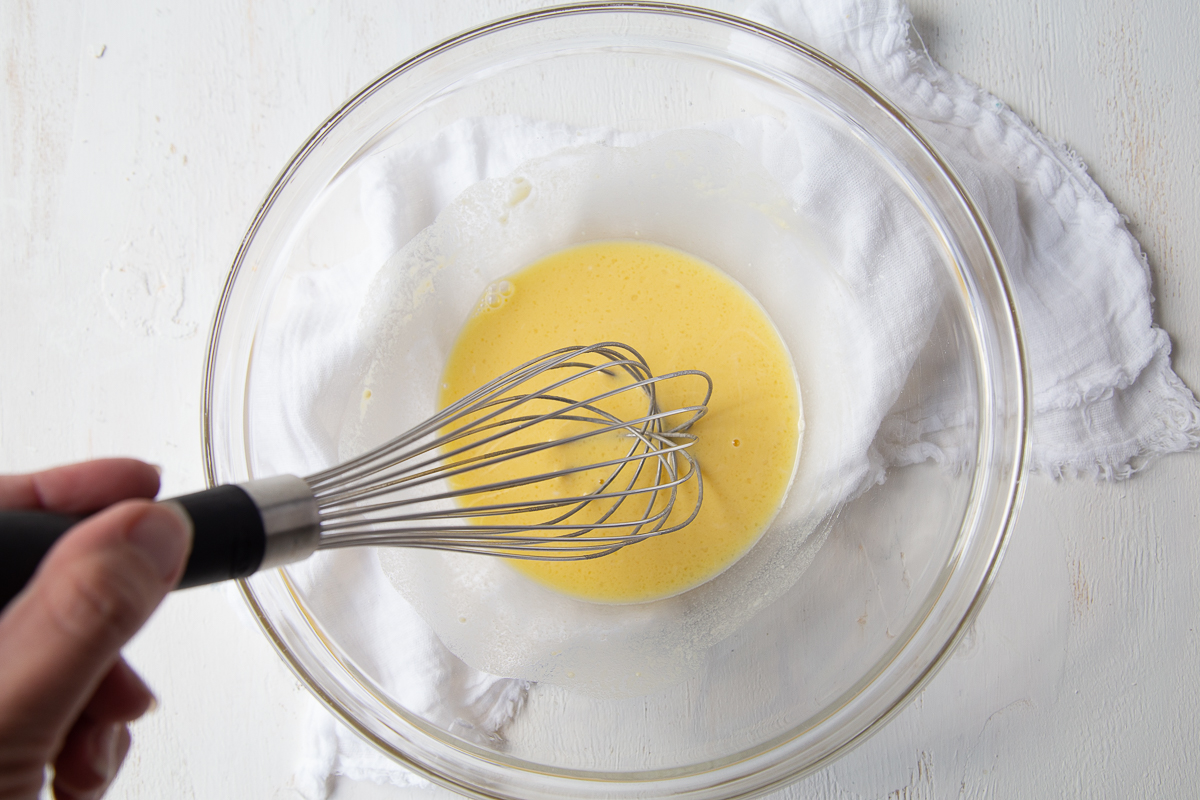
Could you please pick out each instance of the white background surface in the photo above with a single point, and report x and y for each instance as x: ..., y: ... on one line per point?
x: 137, y: 141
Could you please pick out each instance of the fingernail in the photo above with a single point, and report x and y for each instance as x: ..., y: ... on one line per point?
x: 164, y: 536
x: 104, y: 750
x: 151, y: 700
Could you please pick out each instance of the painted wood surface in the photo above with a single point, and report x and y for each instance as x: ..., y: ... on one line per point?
x: 137, y: 140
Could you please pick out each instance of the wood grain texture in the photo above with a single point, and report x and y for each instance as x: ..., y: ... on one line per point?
x: 137, y: 141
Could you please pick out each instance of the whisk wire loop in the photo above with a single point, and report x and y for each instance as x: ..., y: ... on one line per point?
x: 364, y: 467
x: 349, y: 518
x: 403, y: 492
x: 450, y: 465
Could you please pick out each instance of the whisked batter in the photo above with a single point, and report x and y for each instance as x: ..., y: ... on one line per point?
x: 679, y: 313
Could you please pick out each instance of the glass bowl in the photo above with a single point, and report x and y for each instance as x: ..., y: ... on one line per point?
x: 894, y: 572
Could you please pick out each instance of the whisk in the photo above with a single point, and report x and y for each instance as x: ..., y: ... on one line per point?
x: 414, y: 490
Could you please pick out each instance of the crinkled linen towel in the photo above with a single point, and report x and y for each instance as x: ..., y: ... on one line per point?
x: 1106, y: 402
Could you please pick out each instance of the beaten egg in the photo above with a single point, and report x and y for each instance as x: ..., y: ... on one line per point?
x: 679, y: 313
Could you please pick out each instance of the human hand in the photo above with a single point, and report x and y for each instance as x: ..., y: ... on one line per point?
x: 65, y: 692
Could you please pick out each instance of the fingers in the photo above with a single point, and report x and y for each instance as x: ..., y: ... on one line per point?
x: 97, y: 744
x: 95, y: 588
x: 79, y: 488
x: 120, y: 697
x: 89, y: 760
x: 63, y: 687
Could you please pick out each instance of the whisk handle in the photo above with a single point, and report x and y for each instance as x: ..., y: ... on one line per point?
x: 26, y: 536
x: 228, y: 537
x: 238, y: 530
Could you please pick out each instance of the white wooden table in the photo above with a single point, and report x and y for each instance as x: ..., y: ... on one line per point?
x: 136, y: 143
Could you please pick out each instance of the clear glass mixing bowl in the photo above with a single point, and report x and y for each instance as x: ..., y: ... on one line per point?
x: 904, y: 565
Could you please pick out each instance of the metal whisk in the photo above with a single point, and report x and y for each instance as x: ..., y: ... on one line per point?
x: 410, y: 492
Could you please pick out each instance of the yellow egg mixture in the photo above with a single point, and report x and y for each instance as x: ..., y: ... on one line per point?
x: 679, y: 313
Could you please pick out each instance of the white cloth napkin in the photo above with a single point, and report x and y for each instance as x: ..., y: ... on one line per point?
x: 1106, y: 402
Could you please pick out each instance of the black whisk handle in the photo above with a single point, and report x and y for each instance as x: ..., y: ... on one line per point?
x: 229, y: 538
x: 26, y: 536
x: 238, y: 530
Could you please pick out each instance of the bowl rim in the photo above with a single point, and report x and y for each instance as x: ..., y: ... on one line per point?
x: 1008, y: 321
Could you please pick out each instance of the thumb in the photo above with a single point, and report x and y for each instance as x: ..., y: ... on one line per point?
x: 92, y: 592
